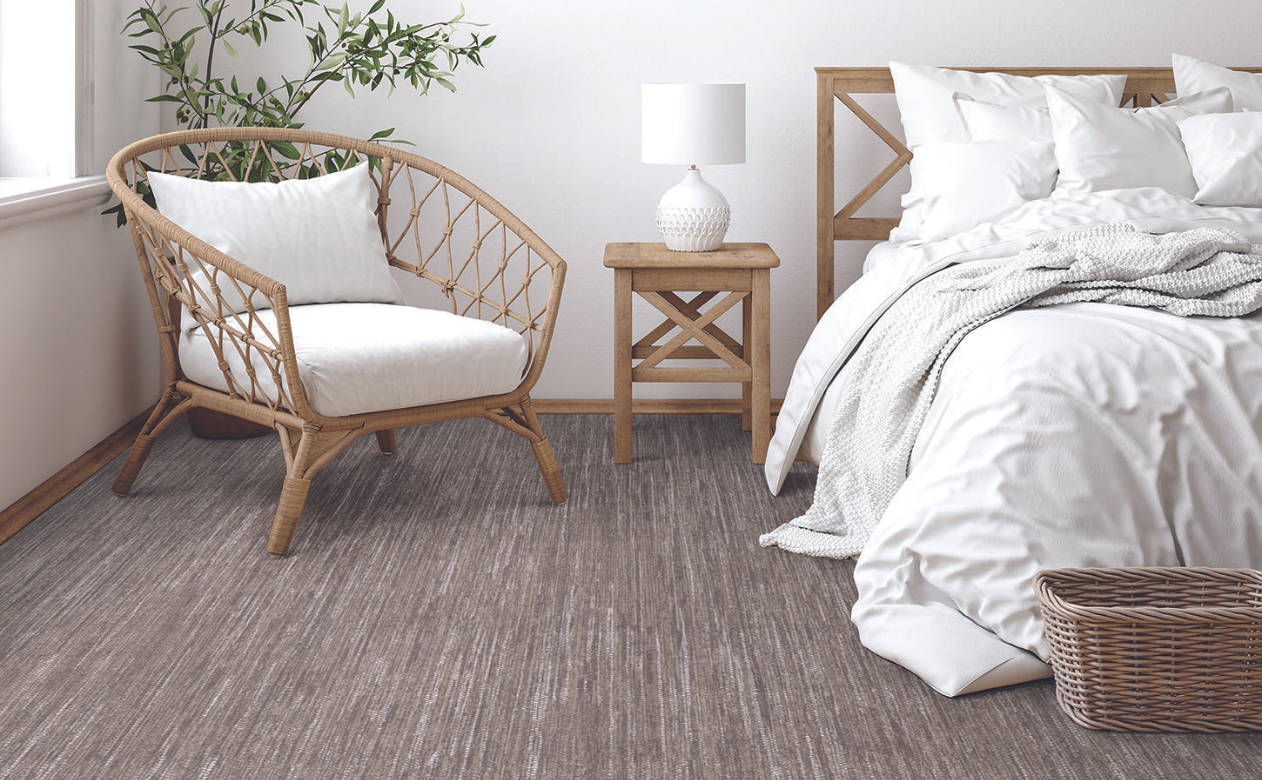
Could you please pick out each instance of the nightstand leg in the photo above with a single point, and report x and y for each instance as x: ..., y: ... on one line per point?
x: 747, y: 418
x: 760, y: 362
x: 622, y: 366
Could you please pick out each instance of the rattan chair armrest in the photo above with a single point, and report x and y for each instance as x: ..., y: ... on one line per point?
x: 208, y: 283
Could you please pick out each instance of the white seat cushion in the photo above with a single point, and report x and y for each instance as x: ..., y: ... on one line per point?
x: 368, y: 357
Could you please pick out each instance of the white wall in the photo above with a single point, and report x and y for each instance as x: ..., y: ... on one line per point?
x: 551, y: 125
x: 78, y: 355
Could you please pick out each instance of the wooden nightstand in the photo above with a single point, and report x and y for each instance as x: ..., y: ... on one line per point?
x: 656, y: 274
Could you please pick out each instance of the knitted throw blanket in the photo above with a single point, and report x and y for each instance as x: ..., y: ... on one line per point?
x: 890, y: 379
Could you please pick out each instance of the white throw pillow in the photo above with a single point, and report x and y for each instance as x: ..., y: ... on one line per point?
x: 1103, y: 148
x: 318, y: 236
x: 1225, y: 151
x: 926, y: 98
x: 1193, y: 75
x: 991, y: 121
x: 967, y: 184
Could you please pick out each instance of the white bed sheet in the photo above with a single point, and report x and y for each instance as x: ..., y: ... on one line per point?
x: 1082, y: 435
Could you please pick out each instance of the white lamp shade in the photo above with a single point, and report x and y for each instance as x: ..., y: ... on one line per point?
x: 693, y: 124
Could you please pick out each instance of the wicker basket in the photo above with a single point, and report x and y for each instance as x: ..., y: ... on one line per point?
x: 1156, y: 649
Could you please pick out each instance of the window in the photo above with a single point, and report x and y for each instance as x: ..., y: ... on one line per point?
x: 44, y: 88
x: 45, y: 98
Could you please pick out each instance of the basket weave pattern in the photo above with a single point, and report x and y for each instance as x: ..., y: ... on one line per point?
x: 1156, y: 649
x: 467, y: 251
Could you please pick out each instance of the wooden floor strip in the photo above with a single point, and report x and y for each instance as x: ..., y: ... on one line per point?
x: 58, y: 486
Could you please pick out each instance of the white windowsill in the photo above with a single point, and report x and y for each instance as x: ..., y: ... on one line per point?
x: 28, y: 199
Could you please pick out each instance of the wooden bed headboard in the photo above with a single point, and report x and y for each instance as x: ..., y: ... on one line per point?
x: 1144, y: 86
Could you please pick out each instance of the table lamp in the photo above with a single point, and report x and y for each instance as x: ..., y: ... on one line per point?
x: 693, y: 124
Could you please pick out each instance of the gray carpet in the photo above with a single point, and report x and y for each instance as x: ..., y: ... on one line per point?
x: 439, y: 618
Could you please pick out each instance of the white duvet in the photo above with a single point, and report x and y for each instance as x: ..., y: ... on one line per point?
x: 1080, y: 435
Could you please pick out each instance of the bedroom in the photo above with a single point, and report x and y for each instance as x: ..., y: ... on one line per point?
x: 569, y: 165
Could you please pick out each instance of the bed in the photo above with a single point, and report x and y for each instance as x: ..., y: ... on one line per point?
x: 1112, y: 417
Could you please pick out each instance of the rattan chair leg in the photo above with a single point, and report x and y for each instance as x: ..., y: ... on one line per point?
x: 131, y: 467
x: 293, y: 496
x: 551, y: 472
x: 543, y: 453
x: 164, y: 413
x: 386, y: 441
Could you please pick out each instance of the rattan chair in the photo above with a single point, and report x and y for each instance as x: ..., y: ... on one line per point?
x: 457, y: 245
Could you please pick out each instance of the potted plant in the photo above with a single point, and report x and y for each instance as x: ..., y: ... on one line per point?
x: 368, y: 49
x: 356, y: 49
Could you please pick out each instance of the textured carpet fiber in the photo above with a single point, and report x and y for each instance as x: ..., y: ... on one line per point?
x: 440, y: 618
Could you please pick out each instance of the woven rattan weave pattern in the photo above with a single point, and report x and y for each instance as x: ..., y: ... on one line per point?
x: 479, y: 259
x: 1156, y: 649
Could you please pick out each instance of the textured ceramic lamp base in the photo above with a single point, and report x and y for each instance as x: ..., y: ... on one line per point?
x: 693, y: 230
x: 693, y: 216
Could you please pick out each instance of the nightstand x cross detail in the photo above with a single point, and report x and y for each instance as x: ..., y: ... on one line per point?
x: 658, y: 275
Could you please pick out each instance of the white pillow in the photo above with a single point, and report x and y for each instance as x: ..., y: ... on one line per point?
x: 316, y: 236
x: 991, y: 121
x: 1193, y: 75
x: 1103, y: 148
x: 966, y: 184
x: 926, y: 98
x: 1225, y: 151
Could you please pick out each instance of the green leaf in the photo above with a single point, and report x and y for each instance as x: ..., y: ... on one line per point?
x: 151, y: 20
